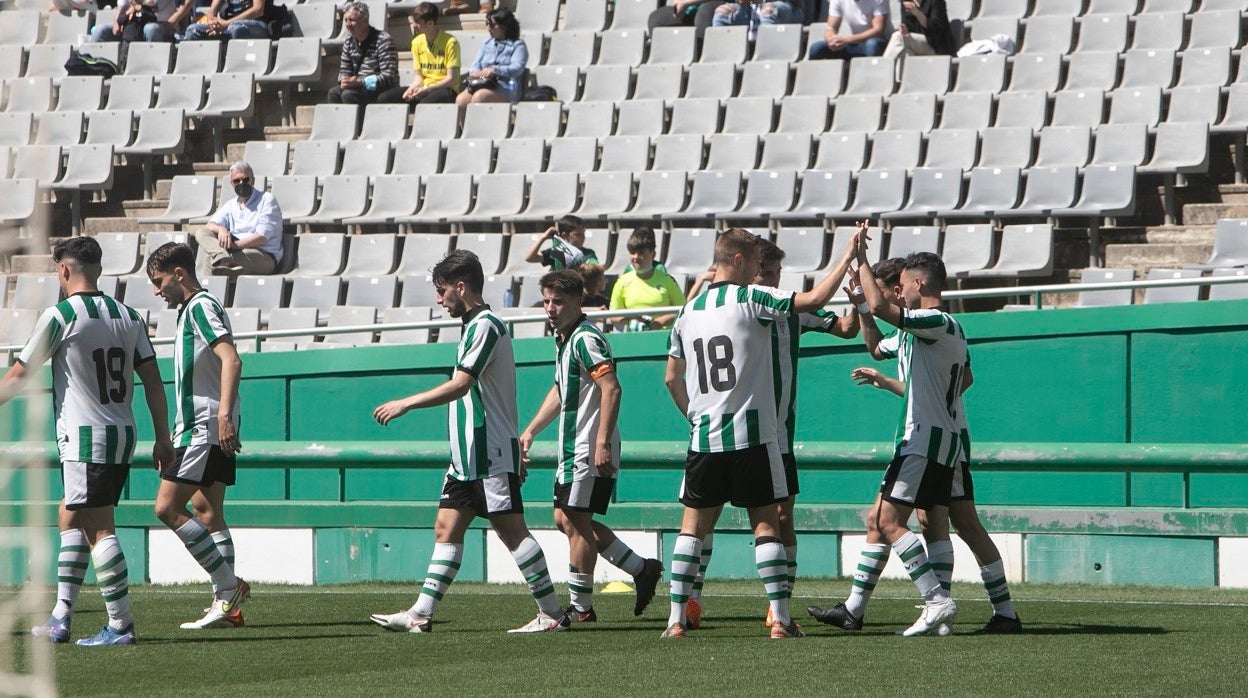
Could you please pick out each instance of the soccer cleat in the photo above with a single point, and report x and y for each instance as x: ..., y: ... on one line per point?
x: 235, y: 618
x: 576, y: 615
x: 215, y: 616
x: 1001, y: 625
x: 780, y: 631
x: 933, y: 615
x: 55, y: 630
x: 693, y: 614
x: 107, y: 636
x: 675, y: 631
x: 403, y: 622
x: 544, y: 624
x: 237, y: 597
x: 838, y: 616
x: 645, y: 582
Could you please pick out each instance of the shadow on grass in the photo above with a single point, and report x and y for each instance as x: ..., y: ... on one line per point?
x: 1092, y: 629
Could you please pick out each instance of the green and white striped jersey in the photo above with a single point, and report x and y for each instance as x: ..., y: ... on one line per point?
x: 484, y: 440
x: 578, y: 362
x: 724, y: 335
x: 889, y: 346
x: 931, y: 358
x: 197, y: 370
x: 785, y: 339
x: 94, y: 342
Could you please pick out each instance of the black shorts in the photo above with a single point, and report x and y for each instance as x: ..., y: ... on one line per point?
x: 790, y: 473
x: 491, y: 496
x: 963, y: 489
x: 201, y: 464
x: 93, y: 485
x: 592, y: 494
x: 748, y: 478
x: 917, y: 482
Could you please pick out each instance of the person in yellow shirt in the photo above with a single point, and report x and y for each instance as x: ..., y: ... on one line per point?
x: 646, y: 284
x: 435, y: 53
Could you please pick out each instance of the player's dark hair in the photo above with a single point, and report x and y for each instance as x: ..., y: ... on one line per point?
x: 735, y: 241
x: 770, y: 252
x: 506, y: 20
x: 565, y: 281
x: 569, y: 223
x: 170, y: 255
x: 642, y: 239
x: 889, y: 270
x: 460, y: 265
x: 84, y: 250
x: 426, y: 12
x: 930, y: 265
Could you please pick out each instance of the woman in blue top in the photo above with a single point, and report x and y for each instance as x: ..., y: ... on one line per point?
x: 502, y: 57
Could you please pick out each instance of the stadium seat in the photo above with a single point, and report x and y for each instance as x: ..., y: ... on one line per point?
x: 911, y: 112
x: 864, y: 113
x: 803, y: 115
x: 726, y: 44
x: 622, y: 46
x: 393, y: 197
x: 732, y: 151
x: 1026, y: 251
x: 1228, y: 292
x: 267, y: 158
x: 11, y: 58
x: 351, y: 316
x: 1092, y: 70
x: 1004, y: 8
x: 624, y: 154
x: 823, y: 193
x: 20, y: 28
x: 1200, y: 104
x: 1148, y: 68
x: 321, y: 254
x: 572, y: 155
x: 420, y: 156
x: 489, y: 248
x: 1120, y: 144
x: 315, y: 158
x: 878, y: 191
x: 778, y: 42
x: 1103, y: 32
x: 291, y: 319
x: 595, y: 119
x: 313, y: 20
x: 678, y: 152
x: 19, y: 198
x: 966, y: 110
x: 764, y: 79
x: 1036, y: 72
x: 56, y: 128
x: 931, y: 190
x: 342, y: 196
x: 1161, y: 30
x: 1216, y: 30
x: 184, y: 92
x: 690, y: 250
x: 1182, y: 6
x: 672, y: 45
x: 1107, y: 190
x: 152, y: 58
x: 551, y: 194
x: 1230, y: 245
x: 137, y: 293
x: 1235, y: 118
x: 1172, y: 294
x: 499, y: 197
x: 394, y: 316
x: 1064, y: 145
x: 631, y: 14
x: 1078, y: 108
x: 537, y: 120
x: 572, y: 48
x: 606, y: 193
x: 907, y: 239
x: 818, y: 78
x: 367, y: 158
x: 110, y: 127
x: 870, y: 76
x: 120, y: 253
x: 711, y: 81
x: 1179, y: 149
x: 29, y: 94
x: 767, y: 192
x: 198, y: 58
x: 376, y: 291
x: 421, y: 252
x: 320, y: 292
x: 87, y: 167
x: 980, y: 73
x: 924, y: 75
x: 967, y: 248
x: 786, y: 151
x: 297, y: 60
x: 658, y: 194
x: 1205, y: 66
x: 335, y: 122
x: 696, y: 116
x: 991, y: 189
x: 1049, y: 34
x: 159, y: 132
x: 1135, y: 105
x: 263, y: 292
x: 1005, y: 147
x: 133, y: 92
x: 956, y: 148
x: 841, y: 235
x: 80, y: 93
x: 1117, y: 296
x: 1048, y: 188
x: 803, y: 248
x: 487, y: 121
x: 447, y: 196
x: 41, y: 163
x: 896, y: 150
x: 988, y: 27
x: 384, y: 122
x: 435, y: 121
x: 522, y: 155
x: 713, y: 194
x: 35, y: 291
x: 468, y: 155
x: 583, y: 15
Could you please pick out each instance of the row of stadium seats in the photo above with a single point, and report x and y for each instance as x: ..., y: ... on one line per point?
x: 221, y: 95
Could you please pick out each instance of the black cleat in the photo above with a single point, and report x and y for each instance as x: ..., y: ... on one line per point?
x: 576, y: 615
x: 1001, y: 625
x: 837, y: 615
x: 646, y: 580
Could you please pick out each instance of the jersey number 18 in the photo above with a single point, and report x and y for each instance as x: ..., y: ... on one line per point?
x: 715, y: 363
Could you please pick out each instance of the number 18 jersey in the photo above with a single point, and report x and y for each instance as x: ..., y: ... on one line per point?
x: 94, y: 343
x: 724, y: 336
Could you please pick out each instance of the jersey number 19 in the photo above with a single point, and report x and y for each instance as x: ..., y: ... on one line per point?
x: 110, y: 377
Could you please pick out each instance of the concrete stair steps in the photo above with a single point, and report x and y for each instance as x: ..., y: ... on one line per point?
x: 1210, y: 213
x: 1145, y: 256
x: 32, y: 264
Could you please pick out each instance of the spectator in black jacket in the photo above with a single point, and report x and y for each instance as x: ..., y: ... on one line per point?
x: 369, y: 68
x: 924, y: 30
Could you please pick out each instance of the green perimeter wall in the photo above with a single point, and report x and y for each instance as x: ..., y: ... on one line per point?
x: 1165, y: 374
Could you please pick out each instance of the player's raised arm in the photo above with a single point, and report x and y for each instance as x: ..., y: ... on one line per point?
x: 871, y: 335
x: 545, y: 415
x: 817, y: 297
x: 877, y: 304
x: 450, y: 391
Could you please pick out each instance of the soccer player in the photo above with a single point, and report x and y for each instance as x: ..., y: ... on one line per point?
x: 785, y: 338
x: 932, y: 356
x: 586, y: 399
x: 962, y: 511
x: 485, y: 472
x: 96, y: 346
x: 206, y: 372
x: 720, y: 377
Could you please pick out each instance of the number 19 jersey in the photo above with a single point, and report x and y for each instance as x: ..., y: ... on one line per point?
x: 95, y: 343
x: 724, y: 336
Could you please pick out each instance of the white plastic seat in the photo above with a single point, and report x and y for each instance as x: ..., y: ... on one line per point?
x: 1048, y: 188
x: 1116, y: 296
x: 315, y: 158
x: 393, y: 196
x: 434, y: 121
x: 956, y: 148
x: 367, y: 158
x: 468, y: 155
x: 1026, y: 251
x: 376, y: 291
x: 1005, y: 147
x: 931, y: 190
x: 1172, y: 294
x: 572, y: 155
x: 487, y: 121
x: 991, y: 189
x: 416, y: 156
x: 764, y: 79
x: 190, y: 196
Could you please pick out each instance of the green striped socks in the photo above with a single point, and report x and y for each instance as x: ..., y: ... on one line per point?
x: 623, y: 557
x: 71, y: 567
x: 225, y: 545
x: 686, y: 555
x: 532, y: 563
x: 442, y: 570
x: 940, y: 555
x: 773, y: 568
x: 993, y: 575
x: 871, y: 561
x: 202, y: 547
x: 114, y: 581
x: 704, y: 561
x: 909, y: 548
x: 580, y: 589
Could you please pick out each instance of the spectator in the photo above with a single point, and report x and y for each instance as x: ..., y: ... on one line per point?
x: 686, y: 13
x: 567, y: 246
x: 866, y: 19
x: 924, y: 30
x: 497, y: 74
x: 244, y: 236
x: 594, y: 277
x: 152, y: 20
x: 645, y: 285
x: 230, y: 19
x: 752, y: 13
x: 435, y: 54
x: 369, y: 68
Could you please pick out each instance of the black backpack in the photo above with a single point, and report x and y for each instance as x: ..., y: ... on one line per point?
x: 86, y: 64
x: 540, y: 93
x: 280, y: 21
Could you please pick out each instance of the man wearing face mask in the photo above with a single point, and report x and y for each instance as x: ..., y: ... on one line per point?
x: 244, y: 236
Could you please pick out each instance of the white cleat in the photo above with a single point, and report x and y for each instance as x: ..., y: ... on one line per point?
x: 214, y: 617
x: 933, y: 616
x: 543, y: 624
x: 403, y: 622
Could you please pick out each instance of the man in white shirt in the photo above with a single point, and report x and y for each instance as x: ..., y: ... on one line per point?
x: 867, y: 21
x: 244, y: 236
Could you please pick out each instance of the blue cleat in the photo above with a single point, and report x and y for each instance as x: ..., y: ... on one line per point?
x: 56, y: 630
x: 108, y: 636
